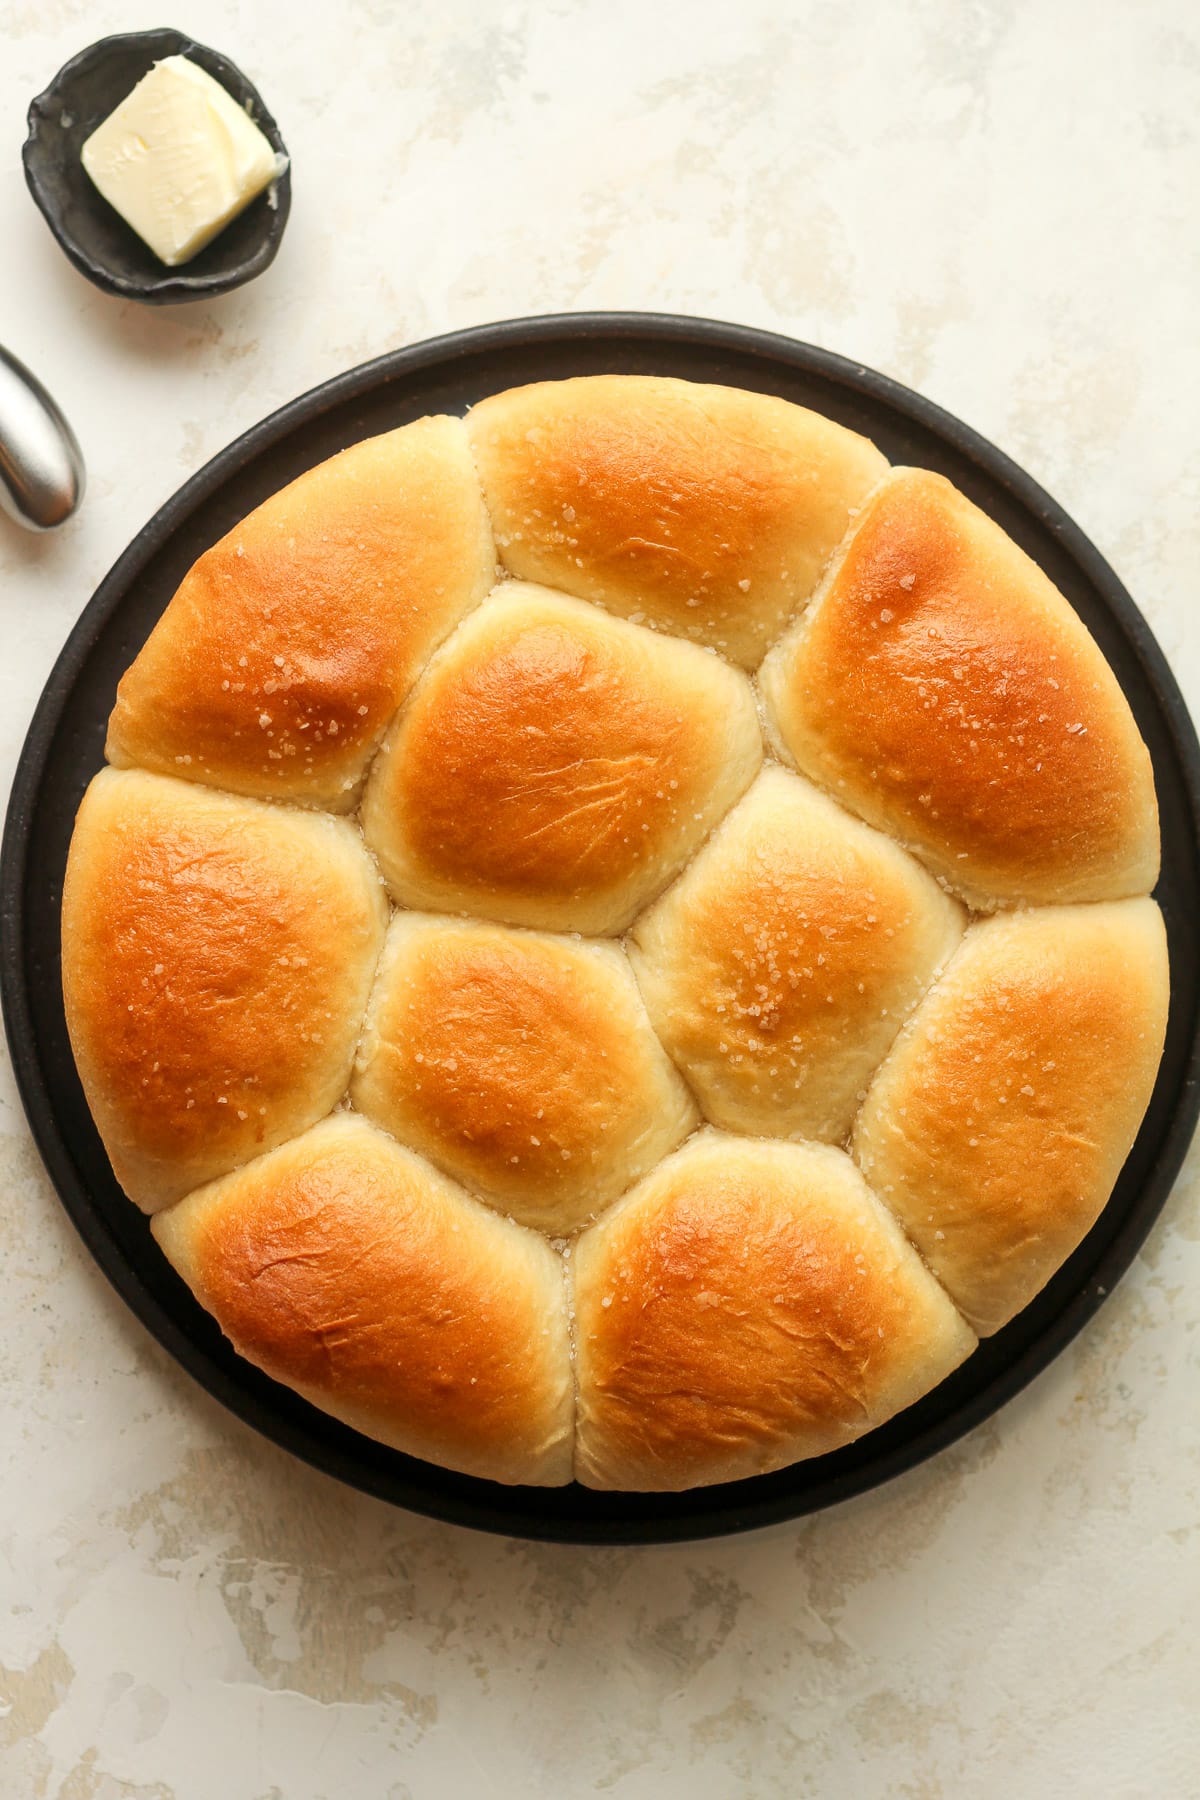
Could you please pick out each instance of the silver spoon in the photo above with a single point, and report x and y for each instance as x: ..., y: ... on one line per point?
x: 41, y: 465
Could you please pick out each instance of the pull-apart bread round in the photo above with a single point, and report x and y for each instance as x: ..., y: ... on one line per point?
x: 771, y: 993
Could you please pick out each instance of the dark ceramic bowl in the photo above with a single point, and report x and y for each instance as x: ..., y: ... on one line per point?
x: 95, y: 237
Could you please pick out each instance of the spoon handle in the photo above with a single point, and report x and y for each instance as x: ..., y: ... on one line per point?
x: 41, y: 465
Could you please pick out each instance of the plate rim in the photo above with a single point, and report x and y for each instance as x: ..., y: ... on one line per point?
x: 725, y: 1515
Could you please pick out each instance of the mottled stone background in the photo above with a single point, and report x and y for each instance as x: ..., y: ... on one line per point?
x: 995, y: 201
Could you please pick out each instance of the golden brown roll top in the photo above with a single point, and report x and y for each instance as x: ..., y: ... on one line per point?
x: 346, y: 1267
x: 523, y: 1065
x: 780, y: 966
x: 750, y: 1303
x: 554, y: 767
x: 942, y: 688
x: 217, y: 957
x: 997, y: 1126
x: 706, y: 511
x: 289, y: 645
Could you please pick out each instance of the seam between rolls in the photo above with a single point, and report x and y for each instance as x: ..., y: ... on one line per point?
x: 926, y: 991
x: 848, y: 1143
x: 373, y: 984
x: 806, y: 603
x: 565, y: 1253
x: 906, y: 1024
x: 800, y: 615
x: 919, y: 1254
x: 433, y: 648
x: 479, y: 482
x: 666, y: 1050
x: 799, y: 625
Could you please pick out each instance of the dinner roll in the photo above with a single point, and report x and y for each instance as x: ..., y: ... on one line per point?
x: 555, y: 767
x: 997, y: 1126
x: 780, y: 966
x: 217, y: 956
x: 706, y: 511
x: 943, y: 689
x: 748, y: 1304
x: 290, y: 644
x: 523, y: 1065
x: 892, y: 971
x: 346, y: 1267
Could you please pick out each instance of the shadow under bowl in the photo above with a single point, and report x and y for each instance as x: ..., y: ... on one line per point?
x: 94, y: 236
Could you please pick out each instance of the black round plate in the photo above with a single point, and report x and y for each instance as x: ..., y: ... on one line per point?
x: 95, y: 237
x: 65, y: 747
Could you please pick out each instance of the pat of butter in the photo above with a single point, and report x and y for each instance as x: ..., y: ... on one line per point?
x: 179, y: 159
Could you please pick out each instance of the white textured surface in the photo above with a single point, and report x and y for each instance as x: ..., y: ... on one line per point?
x: 995, y: 201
